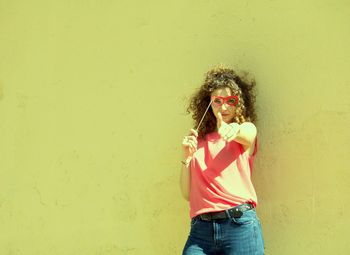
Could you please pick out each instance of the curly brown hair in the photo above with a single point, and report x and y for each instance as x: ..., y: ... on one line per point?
x: 220, y: 77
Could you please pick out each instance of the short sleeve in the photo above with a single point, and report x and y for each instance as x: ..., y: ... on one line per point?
x: 255, y: 148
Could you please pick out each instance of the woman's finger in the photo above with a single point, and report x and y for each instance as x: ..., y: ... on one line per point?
x: 187, y: 141
x: 224, y: 129
x: 192, y: 138
x: 192, y: 143
x: 220, y: 121
x: 232, y: 133
x: 194, y: 132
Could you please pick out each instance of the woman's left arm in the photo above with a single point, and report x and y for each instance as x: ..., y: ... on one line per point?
x: 246, y: 133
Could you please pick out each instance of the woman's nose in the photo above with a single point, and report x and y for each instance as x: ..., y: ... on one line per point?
x: 224, y: 107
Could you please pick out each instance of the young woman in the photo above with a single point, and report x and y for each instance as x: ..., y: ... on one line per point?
x: 217, y: 167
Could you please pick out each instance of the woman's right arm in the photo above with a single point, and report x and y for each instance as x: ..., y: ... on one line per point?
x: 185, y: 180
x: 189, y: 146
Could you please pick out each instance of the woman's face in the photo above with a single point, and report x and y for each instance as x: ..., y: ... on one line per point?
x: 227, y: 110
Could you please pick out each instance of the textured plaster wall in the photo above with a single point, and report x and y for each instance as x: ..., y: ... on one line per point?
x: 92, y: 108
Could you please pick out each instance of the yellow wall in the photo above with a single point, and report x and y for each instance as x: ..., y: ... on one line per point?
x: 92, y: 108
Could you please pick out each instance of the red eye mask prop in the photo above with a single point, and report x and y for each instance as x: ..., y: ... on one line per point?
x: 230, y: 100
x: 218, y: 101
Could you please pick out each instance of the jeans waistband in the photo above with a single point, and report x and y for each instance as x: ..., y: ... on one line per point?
x: 236, y: 211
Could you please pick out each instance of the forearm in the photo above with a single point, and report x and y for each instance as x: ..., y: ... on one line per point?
x: 246, y: 133
x: 185, y: 180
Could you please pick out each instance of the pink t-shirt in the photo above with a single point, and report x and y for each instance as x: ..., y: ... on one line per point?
x: 220, y: 175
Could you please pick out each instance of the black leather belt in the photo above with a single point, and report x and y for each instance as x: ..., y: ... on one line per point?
x: 236, y: 212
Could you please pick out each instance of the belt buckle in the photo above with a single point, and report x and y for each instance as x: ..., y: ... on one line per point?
x: 235, y: 212
x: 205, y: 216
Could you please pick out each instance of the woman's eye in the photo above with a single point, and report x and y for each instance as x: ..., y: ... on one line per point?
x: 217, y: 101
x: 232, y: 101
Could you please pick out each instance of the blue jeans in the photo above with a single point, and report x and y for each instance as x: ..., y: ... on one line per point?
x: 231, y: 236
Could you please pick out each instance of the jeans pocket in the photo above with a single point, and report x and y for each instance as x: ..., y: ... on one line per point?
x: 194, y: 221
x: 261, y: 234
x: 248, y: 217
